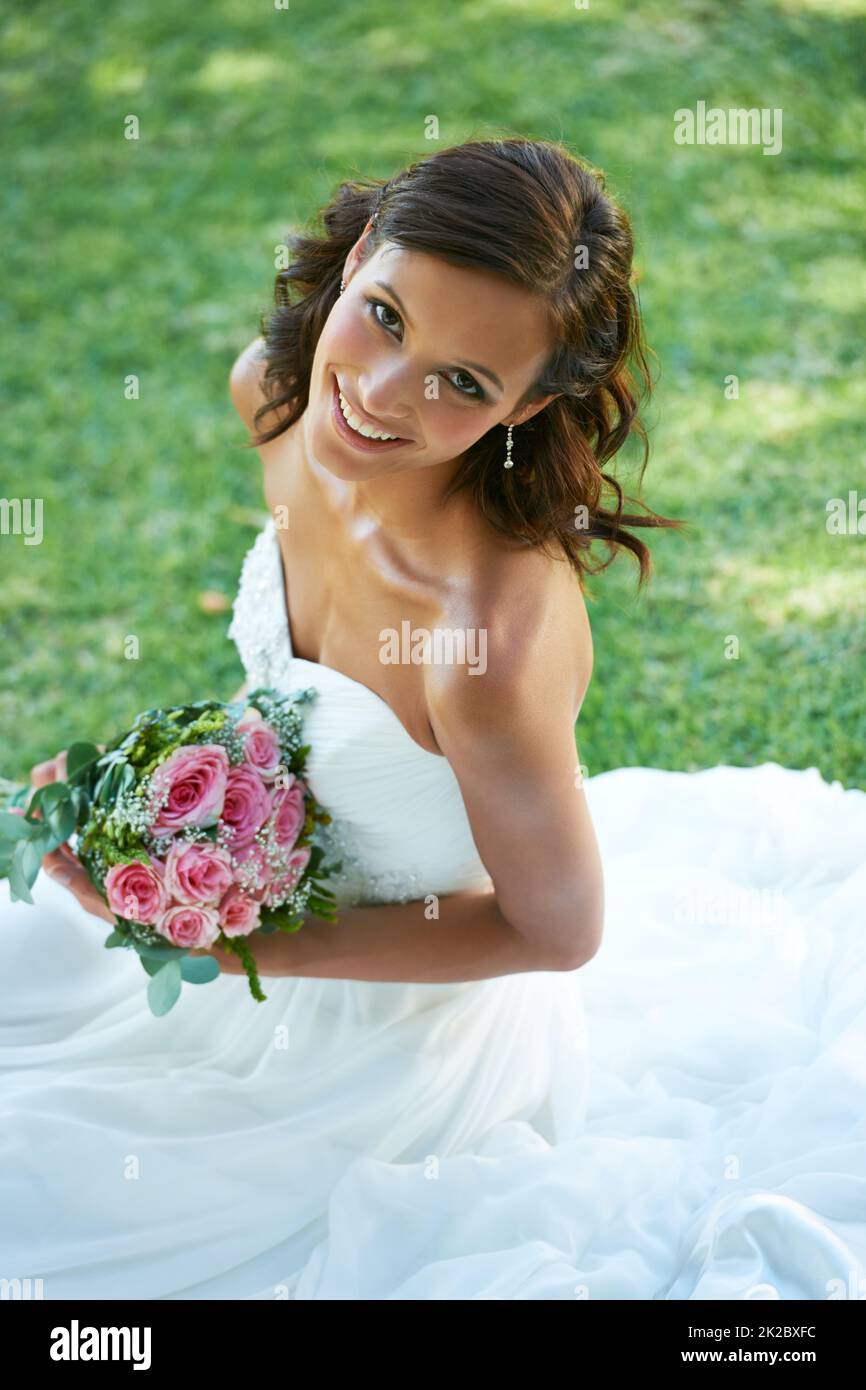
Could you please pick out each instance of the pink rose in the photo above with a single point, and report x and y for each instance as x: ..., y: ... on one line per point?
x: 261, y: 746
x: 284, y: 885
x: 137, y: 891
x: 197, y: 873
x: 238, y: 914
x: 289, y: 813
x: 247, y: 805
x: 195, y: 777
x: 193, y: 927
x: 252, y: 872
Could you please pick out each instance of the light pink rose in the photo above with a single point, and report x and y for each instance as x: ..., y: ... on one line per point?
x: 238, y: 914
x: 252, y: 871
x: 261, y: 746
x: 195, y: 776
x: 197, y: 873
x: 137, y: 891
x: 189, y: 926
x: 282, y: 886
x: 247, y: 805
x: 289, y: 813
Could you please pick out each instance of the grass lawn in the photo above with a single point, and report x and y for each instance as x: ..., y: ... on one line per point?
x: 154, y: 257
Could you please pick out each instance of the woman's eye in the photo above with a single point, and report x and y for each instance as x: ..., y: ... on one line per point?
x: 380, y: 304
x: 475, y: 392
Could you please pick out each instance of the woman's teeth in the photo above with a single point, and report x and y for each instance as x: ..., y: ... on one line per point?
x: 358, y: 425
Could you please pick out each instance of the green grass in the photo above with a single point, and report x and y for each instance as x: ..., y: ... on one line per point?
x: 155, y: 257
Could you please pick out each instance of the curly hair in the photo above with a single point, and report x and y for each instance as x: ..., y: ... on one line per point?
x: 532, y: 212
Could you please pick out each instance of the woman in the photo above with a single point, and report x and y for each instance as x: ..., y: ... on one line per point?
x: 404, y: 1116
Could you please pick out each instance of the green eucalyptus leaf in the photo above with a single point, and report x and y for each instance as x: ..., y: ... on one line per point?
x: 12, y: 827
x: 49, y: 796
x: 62, y: 818
x: 79, y: 756
x: 31, y: 856
x: 41, y: 841
x: 116, y: 938
x: 199, y: 970
x: 155, y: 952
x: 19, y: 883
x: 152, y: 967
x: 163, y: 990
x: 14, y: 793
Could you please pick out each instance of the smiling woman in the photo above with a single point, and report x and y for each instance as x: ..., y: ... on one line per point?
x: 451, y: 330
x: 283, y: 1147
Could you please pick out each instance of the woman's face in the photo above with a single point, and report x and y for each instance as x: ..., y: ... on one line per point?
x: 432, y: 353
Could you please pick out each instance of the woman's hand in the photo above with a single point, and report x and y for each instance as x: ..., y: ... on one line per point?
x: 61, y: 864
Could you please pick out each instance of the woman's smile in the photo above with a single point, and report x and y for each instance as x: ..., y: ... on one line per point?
x: 352, y: 435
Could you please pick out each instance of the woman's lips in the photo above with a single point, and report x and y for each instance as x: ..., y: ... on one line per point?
x: 358, y: 441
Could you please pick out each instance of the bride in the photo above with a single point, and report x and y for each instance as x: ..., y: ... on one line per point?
x: 412, y: 1112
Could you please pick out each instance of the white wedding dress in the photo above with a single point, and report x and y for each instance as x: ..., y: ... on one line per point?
x: 683, y: 1118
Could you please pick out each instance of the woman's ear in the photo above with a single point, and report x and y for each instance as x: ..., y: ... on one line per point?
x: 520, y: 417
x: 358, y: 253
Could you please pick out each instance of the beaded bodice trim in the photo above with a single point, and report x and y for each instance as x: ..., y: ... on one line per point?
x: 259, y: 628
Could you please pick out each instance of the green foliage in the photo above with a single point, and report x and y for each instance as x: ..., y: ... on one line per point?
x: 164, y: 986
x: 164, y: 253
x: 239, y: 947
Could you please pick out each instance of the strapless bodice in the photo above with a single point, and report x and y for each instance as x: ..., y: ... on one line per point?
x: 399, y: 822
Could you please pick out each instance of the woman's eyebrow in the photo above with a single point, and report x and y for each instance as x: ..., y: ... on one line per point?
x: 476, y: 366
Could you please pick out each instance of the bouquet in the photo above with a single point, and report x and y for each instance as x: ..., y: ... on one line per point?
x: 196, y: 827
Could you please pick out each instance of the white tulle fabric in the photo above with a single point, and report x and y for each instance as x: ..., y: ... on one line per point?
x: 682, y: 1118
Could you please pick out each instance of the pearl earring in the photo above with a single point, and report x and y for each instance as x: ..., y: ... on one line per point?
x: 509, y: 443
x: 342, y: 287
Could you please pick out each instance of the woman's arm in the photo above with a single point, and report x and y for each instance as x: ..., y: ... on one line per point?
x: 469, y: 940
x: 515, y: 759
x: 509, y: 737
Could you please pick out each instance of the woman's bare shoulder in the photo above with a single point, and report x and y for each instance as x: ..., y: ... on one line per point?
x: 246, y: 383
x: 528, y: 613
x: 249, y: 393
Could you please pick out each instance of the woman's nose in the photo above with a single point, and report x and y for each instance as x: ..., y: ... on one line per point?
x: 386, y: 400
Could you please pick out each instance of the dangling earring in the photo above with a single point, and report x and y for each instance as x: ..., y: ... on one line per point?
x: 342, y: 287
x: 509, y: 444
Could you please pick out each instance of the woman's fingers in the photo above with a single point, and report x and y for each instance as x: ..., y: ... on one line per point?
x: 51, y: 770
x: 43, y: 773
x: 67, y: 870
x: 58, y: 867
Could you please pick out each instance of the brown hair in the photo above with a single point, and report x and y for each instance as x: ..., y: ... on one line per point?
x: 521, y: 208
